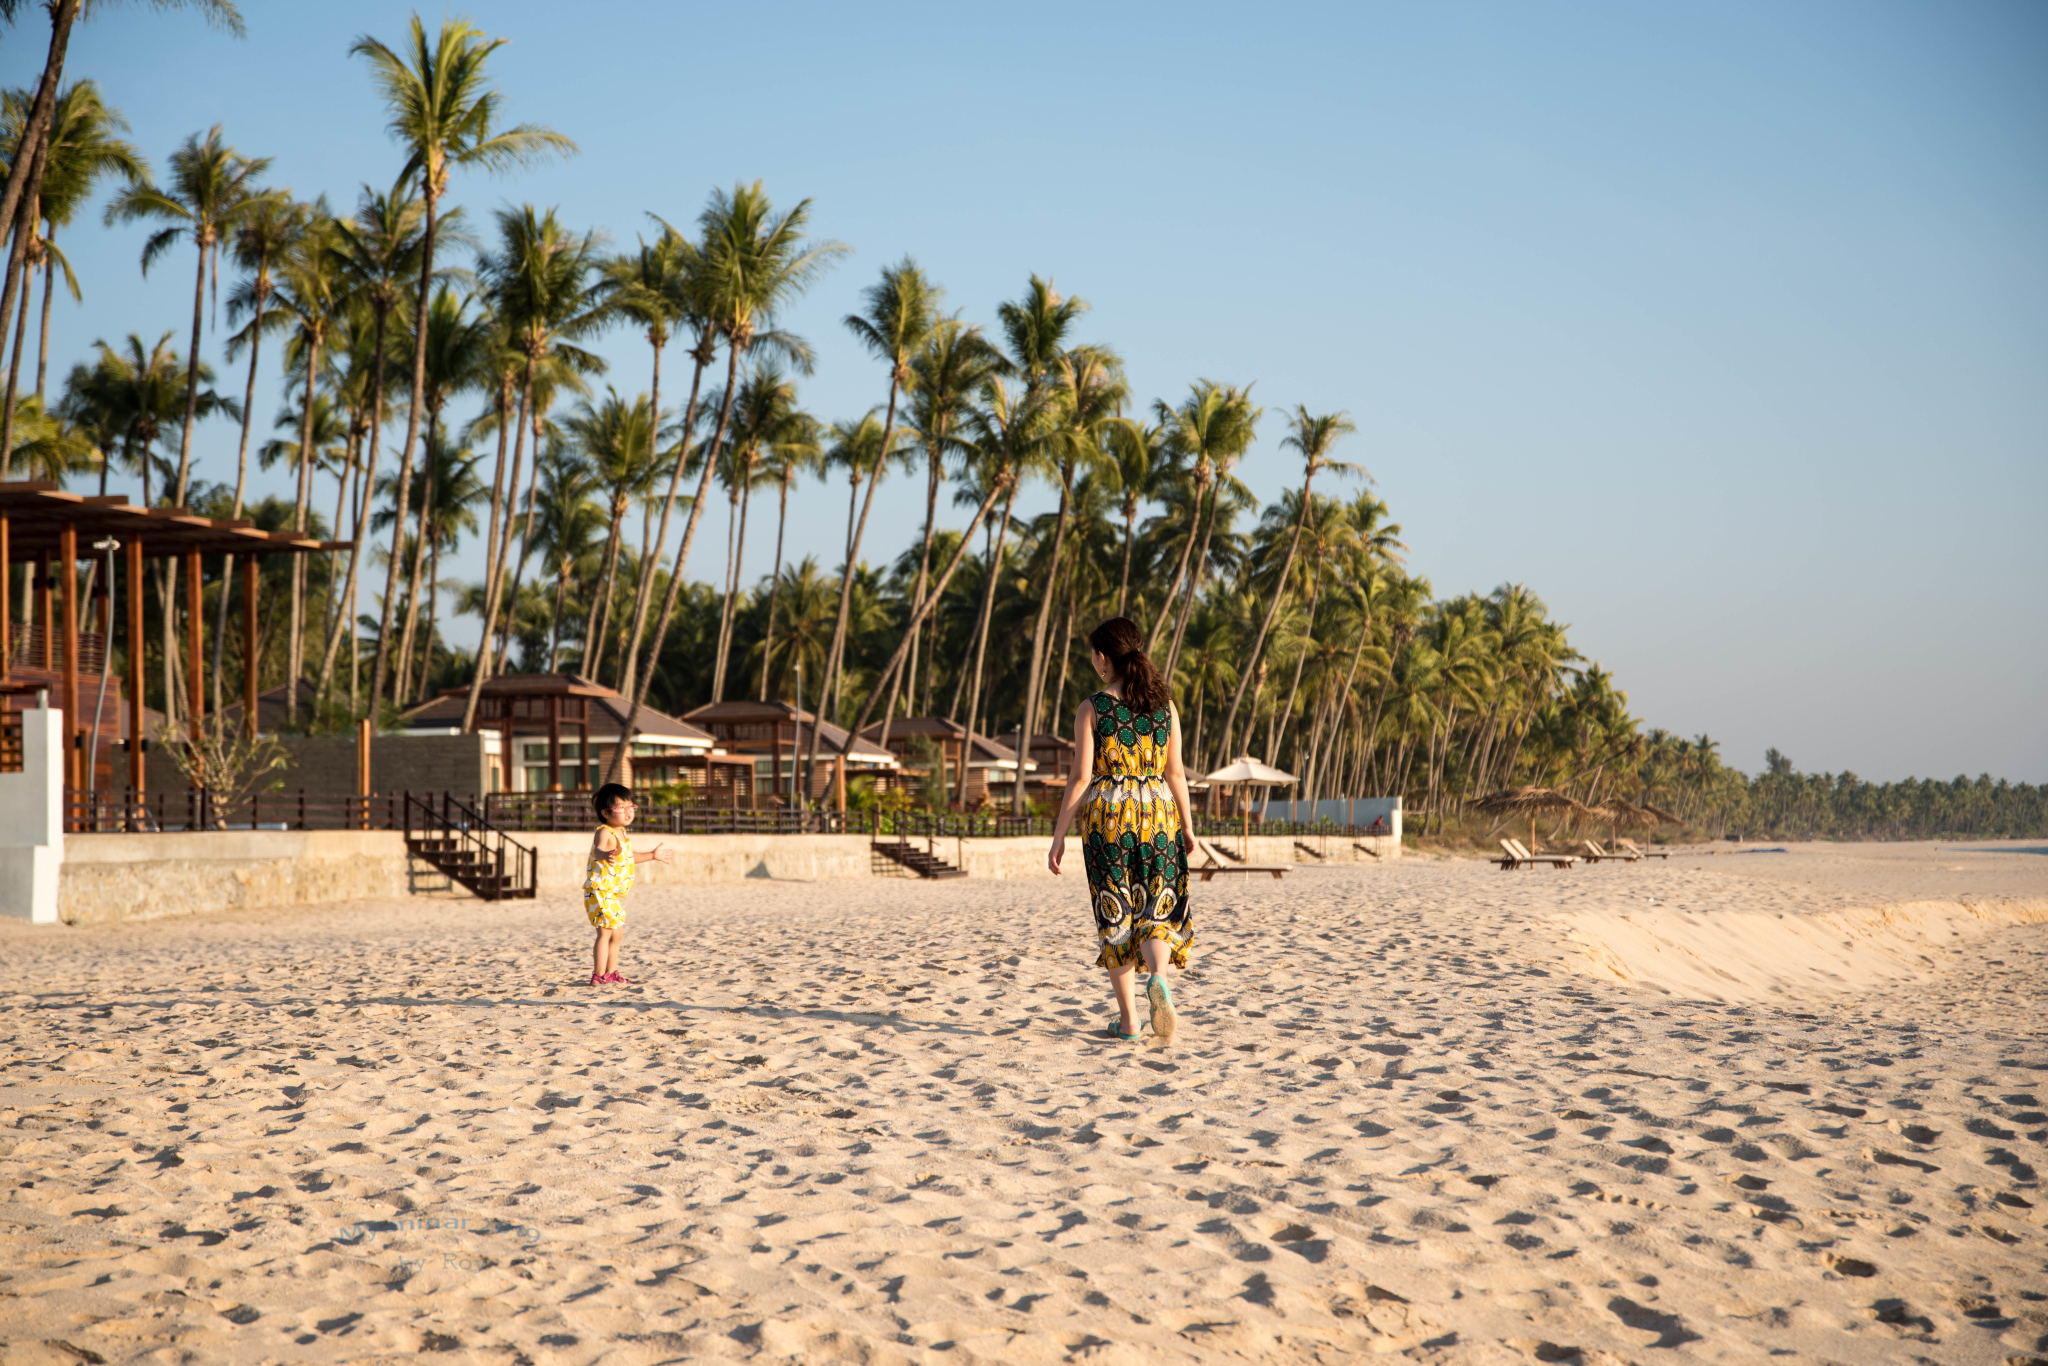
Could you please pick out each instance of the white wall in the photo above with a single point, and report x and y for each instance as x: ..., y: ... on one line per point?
x: 32, y: 820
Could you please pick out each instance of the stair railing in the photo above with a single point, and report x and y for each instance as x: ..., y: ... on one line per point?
x: 455, y: 820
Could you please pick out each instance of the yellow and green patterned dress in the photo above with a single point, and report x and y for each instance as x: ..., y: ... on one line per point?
x: 1130, y: 837
x: 606, y: 882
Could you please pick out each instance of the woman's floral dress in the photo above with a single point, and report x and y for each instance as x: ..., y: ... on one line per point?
x: 1130, y: 837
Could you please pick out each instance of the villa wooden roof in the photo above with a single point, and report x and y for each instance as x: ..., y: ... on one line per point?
x: 37, y: 511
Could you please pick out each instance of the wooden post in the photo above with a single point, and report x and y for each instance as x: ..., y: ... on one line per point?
x: 363, y: 731
x: 67, y: 553
x: 775, y: 767
x: 249, y: 660
x: 839, y: 783
x: 195, y: 647
x: 43, y: 658
x: 583, y: 747
x: 554, y: 742
x: 137, y: 743
x: 6, y: 605
x: 507, y: 764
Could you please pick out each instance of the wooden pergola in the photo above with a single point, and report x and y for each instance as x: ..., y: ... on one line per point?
x: 45, y: 526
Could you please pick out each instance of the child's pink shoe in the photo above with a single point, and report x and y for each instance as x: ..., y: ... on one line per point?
x: 620, y: 979
x: 597, y: 981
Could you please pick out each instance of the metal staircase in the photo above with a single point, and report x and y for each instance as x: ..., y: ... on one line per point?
x: 451, y: 836
x: 919, y: 861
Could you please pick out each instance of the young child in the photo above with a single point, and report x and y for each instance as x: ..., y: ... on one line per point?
x: 610, y: 875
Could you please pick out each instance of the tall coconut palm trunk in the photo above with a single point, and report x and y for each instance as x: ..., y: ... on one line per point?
x: 1035, y: 675
x: 1201, y: 566
x: 595, y: 620
x: 643, y: 596
x: 729, y: 619
x: 930, y: 601
x: 345, y: 625
x: 835, y: 658
x: 620, y: 767
x: 511, y: 621
x: 774, y: 589
x: 227, y: 573
x: 934, y: 470
x: 500, y: 528
x: 981, y: 629
x: 295, y: 644
x: 402, y: 688
x: 1172, y: 599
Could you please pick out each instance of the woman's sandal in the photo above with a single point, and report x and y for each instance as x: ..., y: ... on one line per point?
x: 620, y: 979
x: 1115, y: 1033
x: 598, y: 979
x: 1160, y: 997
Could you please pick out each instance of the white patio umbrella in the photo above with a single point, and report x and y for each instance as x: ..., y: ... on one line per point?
x: 1245, y: 771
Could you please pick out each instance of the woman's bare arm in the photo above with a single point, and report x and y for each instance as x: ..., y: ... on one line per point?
x: 1077, y: 781
x: 1177, y: 780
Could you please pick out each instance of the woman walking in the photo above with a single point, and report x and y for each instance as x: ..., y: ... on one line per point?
x: 1132, y: 798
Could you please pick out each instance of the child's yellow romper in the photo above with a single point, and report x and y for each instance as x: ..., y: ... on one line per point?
x: 606, y: 882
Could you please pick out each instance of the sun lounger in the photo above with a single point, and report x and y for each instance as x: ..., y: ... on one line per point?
x: 1641, y: 852
x: 1212, y: 865
x: 1595, y: 854
x: 1518, y: 857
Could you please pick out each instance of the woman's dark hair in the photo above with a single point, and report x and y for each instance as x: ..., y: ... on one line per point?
x: 609, y: 796
x: 1119, y: 641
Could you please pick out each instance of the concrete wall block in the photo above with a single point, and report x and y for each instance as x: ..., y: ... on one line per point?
x: 32, y: 820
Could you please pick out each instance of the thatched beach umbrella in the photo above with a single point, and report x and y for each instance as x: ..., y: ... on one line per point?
x: 1531, y: 800
x: 1623, y: 815
x: 1244, y: 771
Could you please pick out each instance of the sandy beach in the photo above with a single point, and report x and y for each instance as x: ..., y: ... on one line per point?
x: 1754, y: 1106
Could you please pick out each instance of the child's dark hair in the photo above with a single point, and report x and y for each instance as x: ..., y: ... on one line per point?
x: 609, y: 796
x: 1119, y: 641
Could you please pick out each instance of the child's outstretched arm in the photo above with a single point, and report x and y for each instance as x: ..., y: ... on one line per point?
x: 655, y: 855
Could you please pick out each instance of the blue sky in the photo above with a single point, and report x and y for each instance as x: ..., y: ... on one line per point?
x: 1724, y: 327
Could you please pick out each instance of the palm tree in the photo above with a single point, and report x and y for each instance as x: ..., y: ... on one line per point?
x: 309, y: 291
x: 568, y: 524
x: 761, y: 416
x: 1312, y: 439
x: 902, y: 308
x: 1091, y: 396
x: 142, y: 392
x: 755, y: 264
x: 616, y: 439
x: 29, y: 159
x: 857, y: 448
x: 51, y: 444
x: 25, y: 173
x: 1138, y: 461
x: 1036, y: 328
x: 448, y: 496
x: 954, y: 363
x: 1006, y: 438
x: 442, y: 112
x: 213, y: 189
x: 259, y: 242
x: 375, y: 254
x: 799, y: 450
x: 1209, y: 432
x: 458, y: 352
x: 82, y: 149
x: 659, y: 287
x: 547, y: 288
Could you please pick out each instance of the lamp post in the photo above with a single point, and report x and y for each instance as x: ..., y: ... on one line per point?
x: 106, y: 547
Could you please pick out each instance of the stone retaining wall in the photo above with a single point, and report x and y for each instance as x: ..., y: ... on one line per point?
x: 142, y: 877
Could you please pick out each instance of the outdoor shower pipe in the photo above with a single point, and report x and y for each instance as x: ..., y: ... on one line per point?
x: 92, y: 754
